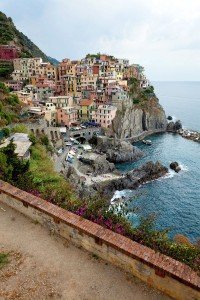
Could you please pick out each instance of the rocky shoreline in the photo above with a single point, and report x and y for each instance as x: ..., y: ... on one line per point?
x: 95, y: 175
x: 132, y: 179
x: 190, y: 135
x: 176, y: 127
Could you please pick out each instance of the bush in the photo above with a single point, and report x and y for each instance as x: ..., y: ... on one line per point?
x: 21, y: 128
x: 4, y: 88
x: 136, y: 101
x: 6, y: 131
x: 13, y: 99
x: 3, y: 259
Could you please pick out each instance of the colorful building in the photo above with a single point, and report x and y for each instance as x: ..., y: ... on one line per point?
x: 67, y: 116
x: 104, y: 115
x: 85, y: 110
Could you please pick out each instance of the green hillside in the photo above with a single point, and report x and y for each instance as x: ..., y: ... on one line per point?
x: 10, y: 106
x: 10, y: 34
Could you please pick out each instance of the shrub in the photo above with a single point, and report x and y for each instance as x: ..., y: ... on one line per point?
x: 6, y: 131
x: 136, y: 101
x: 3, y: 259
x: 20, y: 128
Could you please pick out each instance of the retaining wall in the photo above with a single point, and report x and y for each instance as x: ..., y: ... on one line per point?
x: 160, y: 271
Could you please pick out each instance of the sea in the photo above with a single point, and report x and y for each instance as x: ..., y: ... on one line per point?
x: 174, y: 200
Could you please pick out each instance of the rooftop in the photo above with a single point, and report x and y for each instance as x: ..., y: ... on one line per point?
x: 86, y: 102
x: 22, y: 142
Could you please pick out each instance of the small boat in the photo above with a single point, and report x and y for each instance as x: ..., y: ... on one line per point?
x: 147, y: 142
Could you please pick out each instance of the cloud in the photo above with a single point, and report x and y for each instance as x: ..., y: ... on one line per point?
x: 161, y: 35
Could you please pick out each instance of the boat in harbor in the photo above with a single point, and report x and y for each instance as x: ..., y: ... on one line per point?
x: 147, y: 142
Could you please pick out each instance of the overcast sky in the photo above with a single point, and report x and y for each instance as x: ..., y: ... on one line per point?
x: 163, y: 36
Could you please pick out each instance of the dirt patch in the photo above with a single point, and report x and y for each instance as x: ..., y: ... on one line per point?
x: 20, y: 279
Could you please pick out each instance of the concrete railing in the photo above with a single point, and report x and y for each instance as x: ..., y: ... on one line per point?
x: 162, y: 272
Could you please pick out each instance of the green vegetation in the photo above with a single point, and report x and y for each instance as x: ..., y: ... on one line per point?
x: 12, y: 169
x: 136, y: 101
x: 20, y: 128
x: 46, y: 180
x: 93, y: 55
x: 3, y: 260
x: 9, y: 33
x: 6, y: 68
x: 9, y: 106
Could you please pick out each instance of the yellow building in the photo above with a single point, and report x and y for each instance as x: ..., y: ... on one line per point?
x: 85, y: 110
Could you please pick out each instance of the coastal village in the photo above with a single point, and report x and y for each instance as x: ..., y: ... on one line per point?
x: 90, y: 89
x: 65, y: 127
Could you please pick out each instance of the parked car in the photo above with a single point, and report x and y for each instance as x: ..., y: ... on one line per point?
x: 60, y: 151
x: 76, y: 142
x: 68, y: 144
x: 69, y: 159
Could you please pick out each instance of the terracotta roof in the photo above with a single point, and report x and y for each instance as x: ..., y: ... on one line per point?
x: 86, y: 102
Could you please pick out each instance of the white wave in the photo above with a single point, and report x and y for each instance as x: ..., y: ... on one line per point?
x: 171, y: 173
x: 183, y: 167
x: 174, y: 118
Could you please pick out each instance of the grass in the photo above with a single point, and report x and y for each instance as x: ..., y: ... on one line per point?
x: 52, y: 186
x: 3, y: 259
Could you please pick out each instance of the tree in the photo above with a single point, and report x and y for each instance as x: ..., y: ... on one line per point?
x: 6, y: 131
x: 11, y: 166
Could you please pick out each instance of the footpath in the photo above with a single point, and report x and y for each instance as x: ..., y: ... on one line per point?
x: 44, y: 266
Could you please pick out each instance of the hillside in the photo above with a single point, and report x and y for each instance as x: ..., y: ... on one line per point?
x: 9, y: 34
x: 10, y: 106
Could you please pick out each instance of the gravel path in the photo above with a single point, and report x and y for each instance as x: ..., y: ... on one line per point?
x: 47, y: 267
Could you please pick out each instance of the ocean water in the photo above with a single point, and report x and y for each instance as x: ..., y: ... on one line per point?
x: 181, y: 100
x: 175, y: 199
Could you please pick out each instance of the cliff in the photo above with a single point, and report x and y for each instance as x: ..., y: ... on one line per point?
x: 140, y: 114
x: 9, y: 34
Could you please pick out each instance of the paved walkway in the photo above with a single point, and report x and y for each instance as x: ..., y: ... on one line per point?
x: 48, y: 267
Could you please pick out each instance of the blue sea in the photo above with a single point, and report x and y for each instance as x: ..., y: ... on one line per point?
x: 174, y: 199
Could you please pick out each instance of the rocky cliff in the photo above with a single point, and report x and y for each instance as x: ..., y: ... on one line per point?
x: 139, y: 114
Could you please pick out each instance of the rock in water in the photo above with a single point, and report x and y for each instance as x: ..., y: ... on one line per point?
x: 117, y: 150
x: 174, y: 127
x: 175, y: 166
x: 178, y: 125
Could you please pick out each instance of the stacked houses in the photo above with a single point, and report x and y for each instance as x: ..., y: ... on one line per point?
x: 92, y: 88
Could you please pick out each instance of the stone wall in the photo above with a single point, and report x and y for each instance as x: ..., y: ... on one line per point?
x: 160, y: 271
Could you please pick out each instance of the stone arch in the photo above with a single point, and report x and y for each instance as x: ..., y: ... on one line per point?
x: 56, y: 135
x: 52, y: 136
x: 37, y: 132
x: 81, y: 139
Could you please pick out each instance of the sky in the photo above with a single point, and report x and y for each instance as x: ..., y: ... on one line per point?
x: 161, y: 35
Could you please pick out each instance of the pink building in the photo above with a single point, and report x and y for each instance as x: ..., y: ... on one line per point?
x: 104, y: 115
x: 8, y: 52
x: 66, y: 116
x: 14, y: 85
